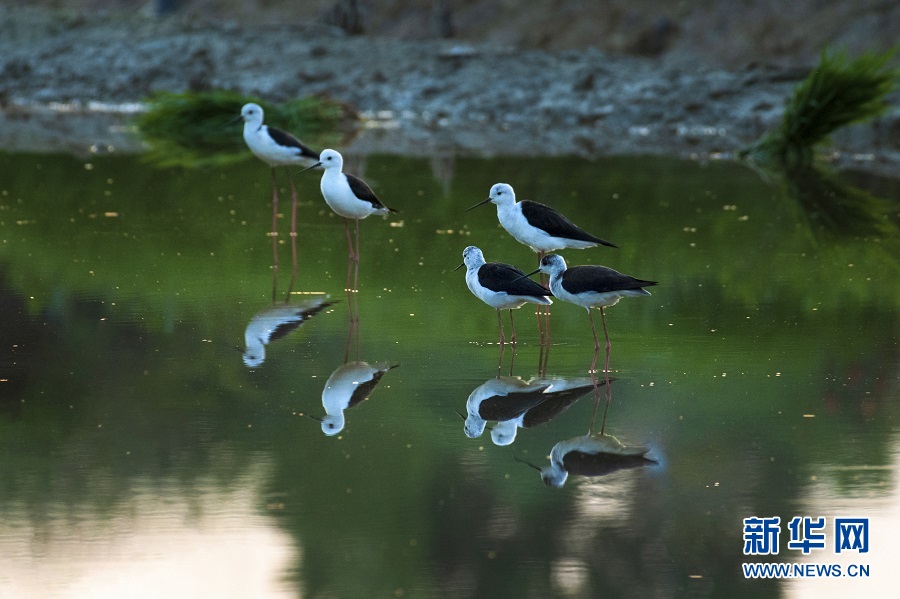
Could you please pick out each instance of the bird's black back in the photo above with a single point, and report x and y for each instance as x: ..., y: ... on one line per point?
x: 298, y: 318
x: 283, y: 138
x: 364, y: 390
x: 362, y: 191
x: 600, y: 464
x: 555, y: 404
x: 600, y: 279
x: 512, y: 405
x: 555, y: 224
x: 498, y: 276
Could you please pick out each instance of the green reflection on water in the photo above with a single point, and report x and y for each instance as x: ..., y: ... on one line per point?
x: 125, y: 288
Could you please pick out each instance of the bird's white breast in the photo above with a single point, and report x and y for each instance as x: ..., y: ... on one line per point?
x: 265, y: 148
x: 340, y: 198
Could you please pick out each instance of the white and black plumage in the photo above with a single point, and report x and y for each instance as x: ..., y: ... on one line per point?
x: 500, y: 286
x: 591, y: 287
x: 591, y: 455
x: 274, y: 323
x: 561, y: 395
x: 501, y: 399
x: 513, y: 403
x: 276, y: 148
x: 540, y: 227
x: 348, y: 386
x: 348, y: 196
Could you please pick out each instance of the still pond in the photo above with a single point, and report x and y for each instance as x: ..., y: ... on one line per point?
x: 143, y: 454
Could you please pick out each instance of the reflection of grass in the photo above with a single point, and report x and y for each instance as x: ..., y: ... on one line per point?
x: 836, y: 209
x: 191, y: 128
x: 838, y: 92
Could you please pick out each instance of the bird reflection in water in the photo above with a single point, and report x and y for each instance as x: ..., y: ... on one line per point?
x: 514, y: 403
x: 590, y: 455
x: 348, y: 386
x: 276, y: 322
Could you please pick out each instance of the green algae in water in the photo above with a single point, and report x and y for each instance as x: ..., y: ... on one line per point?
x: 194, y: 128
x: 839, y: 91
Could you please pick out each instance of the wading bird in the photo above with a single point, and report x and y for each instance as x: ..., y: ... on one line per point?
x: 501, y: 286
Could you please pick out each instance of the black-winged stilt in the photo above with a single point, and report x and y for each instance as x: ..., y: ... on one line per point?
x: 350, y: 197
x: 501, y: 286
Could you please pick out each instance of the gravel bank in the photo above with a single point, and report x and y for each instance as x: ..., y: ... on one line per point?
x: 419, y: 97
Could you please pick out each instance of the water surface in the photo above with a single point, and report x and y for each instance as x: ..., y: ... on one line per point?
x: 141, y: 457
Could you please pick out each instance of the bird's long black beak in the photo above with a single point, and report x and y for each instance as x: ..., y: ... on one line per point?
x: 458, y: 413
x: 310, y: 167
x: 527, y: 463
x: 478, y: 204
x: 534, y: 272
x: 458, y: 267
x: 316, y: 418
x: 230, y: 122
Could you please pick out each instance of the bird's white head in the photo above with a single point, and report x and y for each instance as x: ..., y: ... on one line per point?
x: 472, y: 257
x: 502, y: 193
x: 332, y: 424
x: 552, y: 264
x: 474, y: 426
x: 254, y: 356
x: 554, y: 476
x: 331, y: 159
x: 252, y: 113
x: 504, y: 433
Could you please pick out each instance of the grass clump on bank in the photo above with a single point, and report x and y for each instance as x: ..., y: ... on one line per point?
x: 192, y: 128
x: 839, y: 91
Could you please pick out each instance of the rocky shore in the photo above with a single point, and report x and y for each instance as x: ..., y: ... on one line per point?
x: 71, y: 82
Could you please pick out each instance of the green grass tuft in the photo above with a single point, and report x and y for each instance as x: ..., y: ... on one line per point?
x: 192, y: 128
x: 837, y: 92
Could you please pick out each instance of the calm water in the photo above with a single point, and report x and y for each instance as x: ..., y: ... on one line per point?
x: 141, y: 457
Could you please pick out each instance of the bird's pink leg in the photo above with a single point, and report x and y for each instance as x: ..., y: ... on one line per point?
x: 537, y: 309
x: 293, y: 234
x: 356, y: 266
x: 543, y: 358
x: 597, y: 397
x: 350, y: 256
x: 608, y: 346
x: 274, y: 234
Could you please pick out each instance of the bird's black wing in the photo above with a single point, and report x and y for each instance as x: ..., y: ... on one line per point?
x: 600, y: 464
x: 283, y: 138
x: 285, y: 327
x: 511, y: 405
x: 300, y: 316
x: 555, y: 224
x: 555, y: 404
x: 498, y: 276
x: 364, y: 390
x: 600, y: 279
x: 362, y: 191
